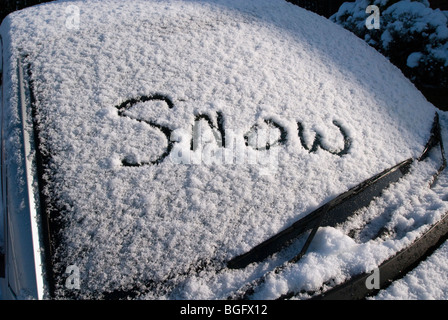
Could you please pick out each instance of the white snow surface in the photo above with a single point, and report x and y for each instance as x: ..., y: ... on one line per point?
x: 249, y: 61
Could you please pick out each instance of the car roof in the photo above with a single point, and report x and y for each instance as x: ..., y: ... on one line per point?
x: 179, y: 134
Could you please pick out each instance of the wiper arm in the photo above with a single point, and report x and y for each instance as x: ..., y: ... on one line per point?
x: 434, y: 140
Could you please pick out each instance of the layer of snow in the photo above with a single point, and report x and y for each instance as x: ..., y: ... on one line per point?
x: 250, y: 61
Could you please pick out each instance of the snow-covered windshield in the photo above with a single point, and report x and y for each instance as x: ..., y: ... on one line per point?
x: 180, y: 134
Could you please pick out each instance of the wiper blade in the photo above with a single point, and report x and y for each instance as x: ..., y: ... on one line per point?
x: 330, y: 214
x: 340, y: 208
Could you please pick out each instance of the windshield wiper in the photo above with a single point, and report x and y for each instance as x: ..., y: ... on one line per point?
x: 340, y: 208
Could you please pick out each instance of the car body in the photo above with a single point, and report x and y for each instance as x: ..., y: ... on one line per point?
x: 147, y: 143
x: 22, y: 264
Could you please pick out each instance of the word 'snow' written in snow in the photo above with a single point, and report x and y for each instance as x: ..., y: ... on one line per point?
x: 260, y: 137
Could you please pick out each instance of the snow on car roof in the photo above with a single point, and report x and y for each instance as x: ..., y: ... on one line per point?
x: 184, y: 133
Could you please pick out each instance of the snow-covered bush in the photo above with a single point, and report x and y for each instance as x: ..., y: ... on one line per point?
x: 412, y: 35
